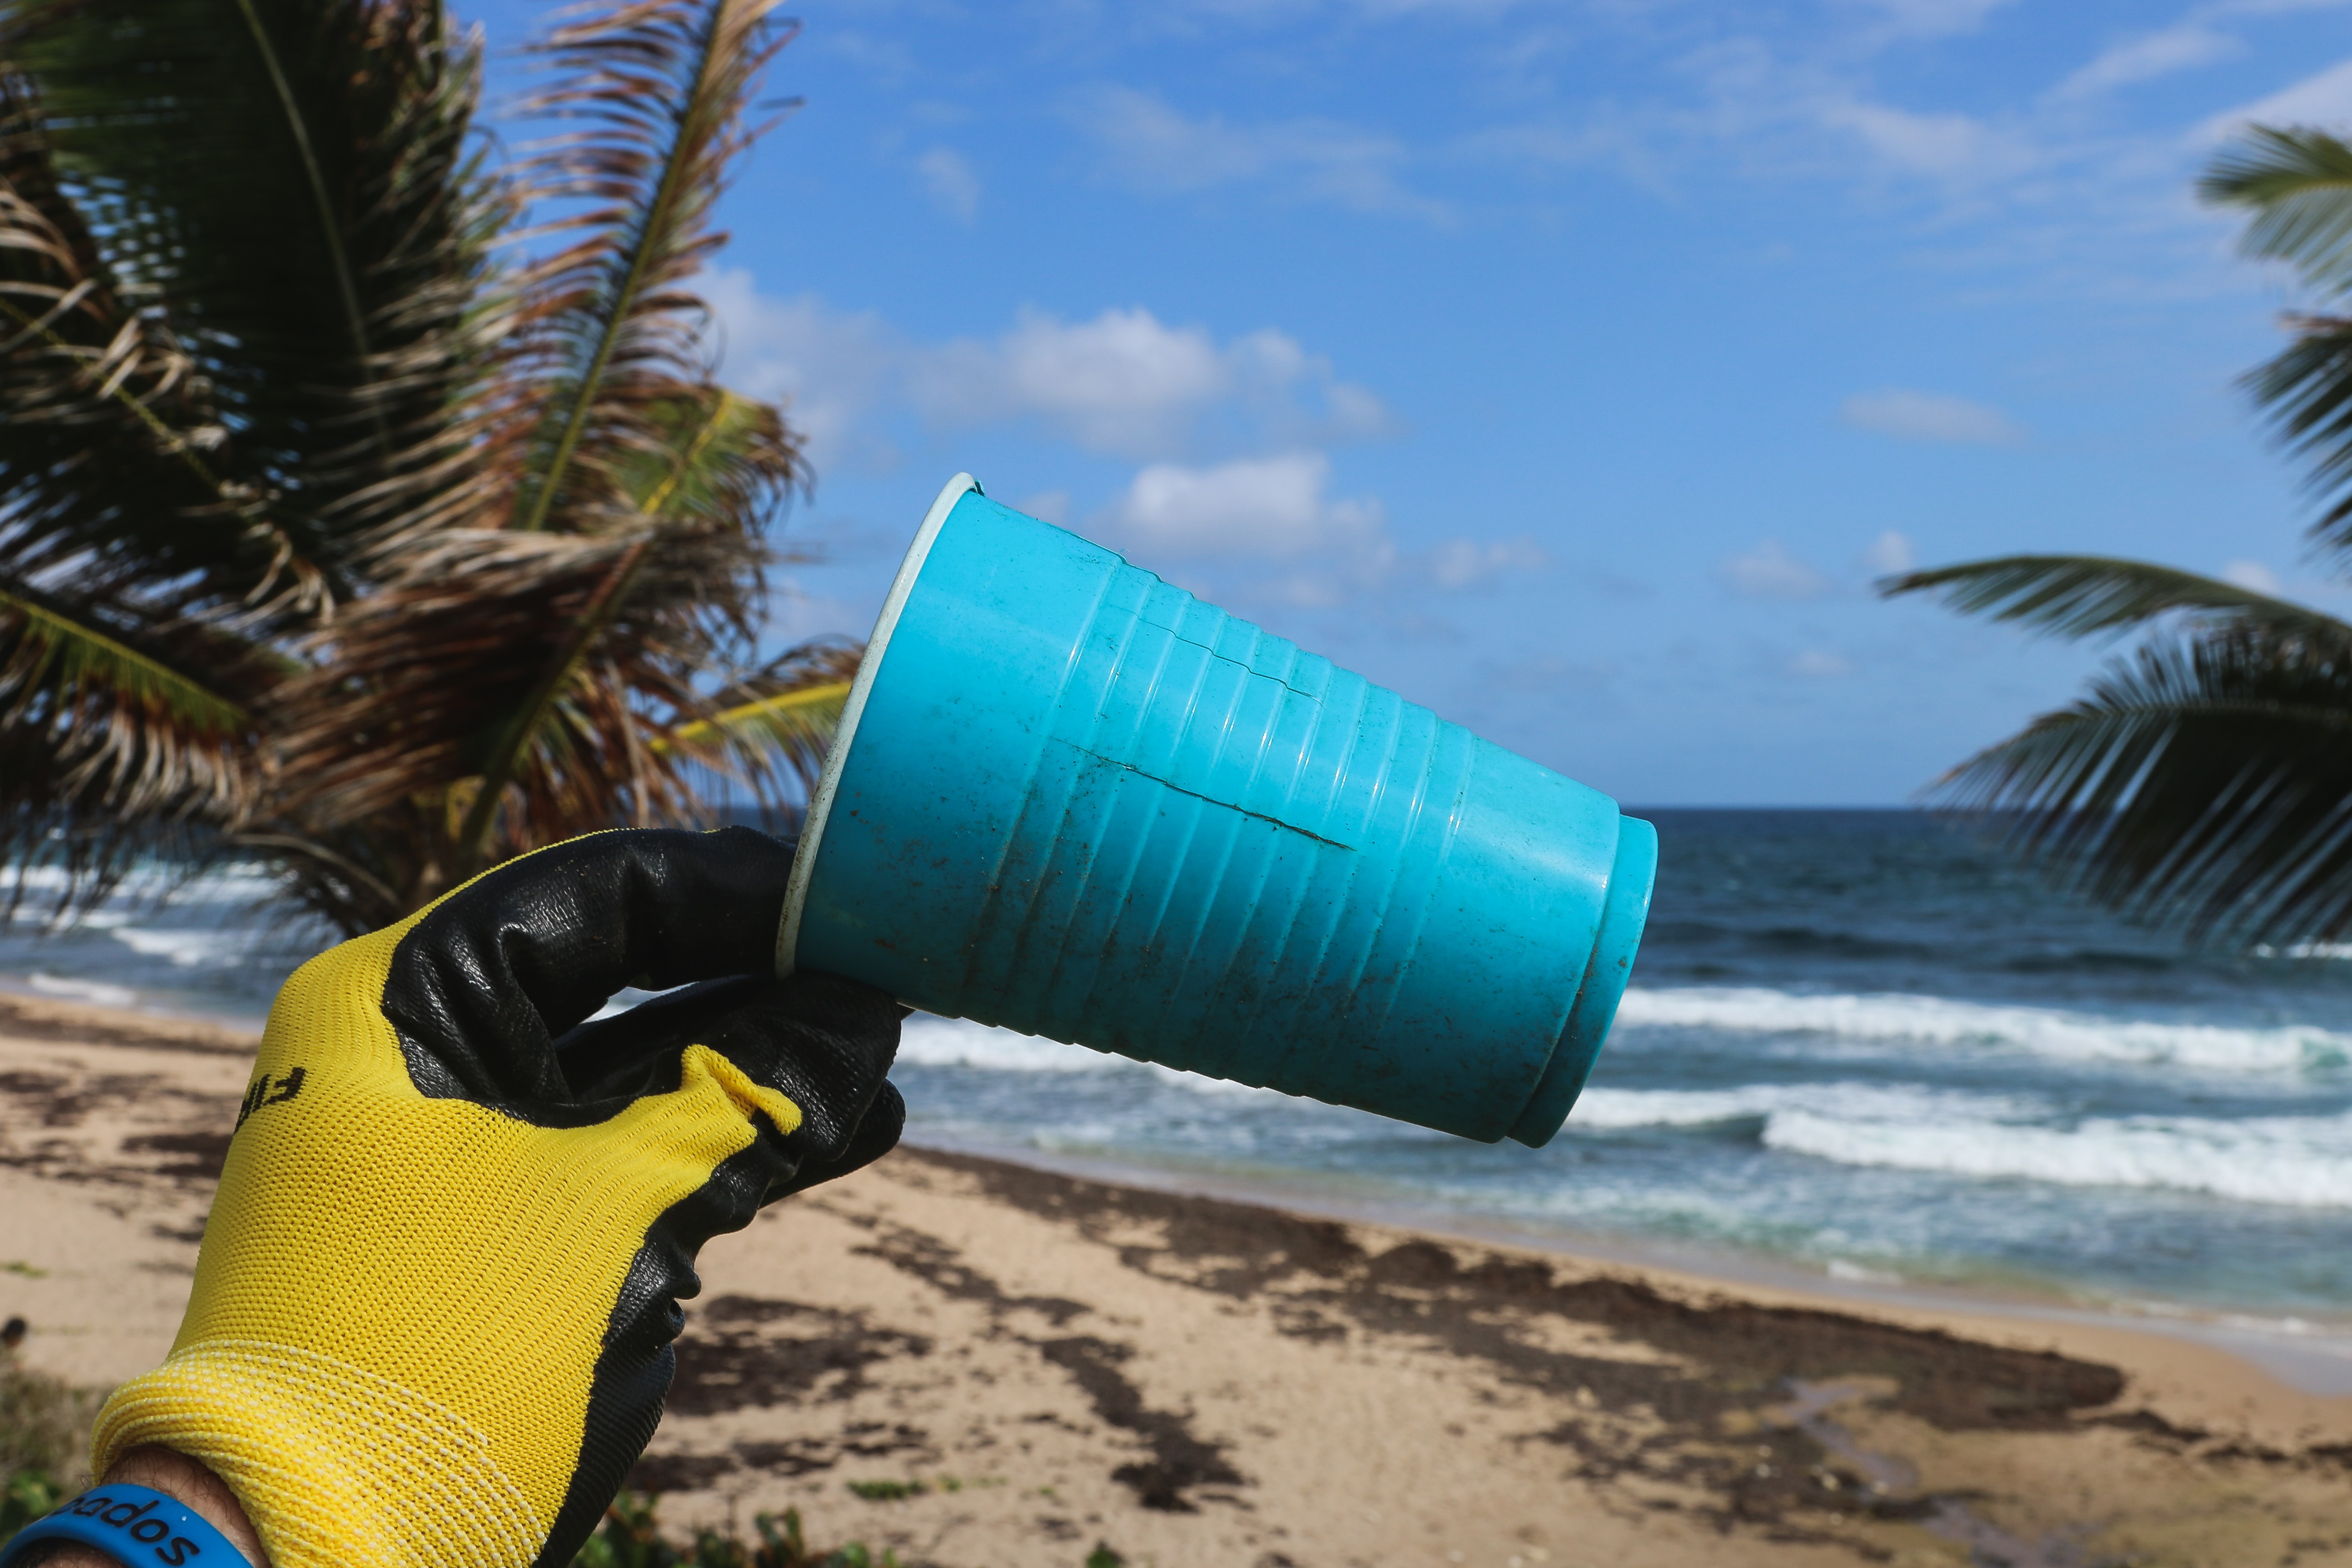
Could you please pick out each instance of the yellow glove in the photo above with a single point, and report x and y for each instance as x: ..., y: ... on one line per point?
x: 432, y: 1314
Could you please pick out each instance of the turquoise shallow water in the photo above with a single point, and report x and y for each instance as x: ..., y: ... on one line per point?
x: 1856, y: 1041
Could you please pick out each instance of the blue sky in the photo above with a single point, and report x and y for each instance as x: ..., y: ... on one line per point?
x: 1570, y: 367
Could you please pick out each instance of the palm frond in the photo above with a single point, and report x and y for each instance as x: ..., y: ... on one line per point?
x: 2297, y: 183
x: 286, y: 185
x: 658, y: 88
x: 537, y: 725
x: 2080, y: 595
x: 776, y: 724
x: 514, y: 679
x: 104, y: 427
x: 2205, y: 784
x: 800, y: 720
x: 717, y: 456
x: 57, y: 648
x: 464, y: 557
x: 107, y: 748
x: 2308, y: 390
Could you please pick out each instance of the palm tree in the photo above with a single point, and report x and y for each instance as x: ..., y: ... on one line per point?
x: 367, y: 503
x: 2205, y: 779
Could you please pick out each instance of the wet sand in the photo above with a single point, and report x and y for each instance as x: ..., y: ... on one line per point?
x: 1036, y: 1361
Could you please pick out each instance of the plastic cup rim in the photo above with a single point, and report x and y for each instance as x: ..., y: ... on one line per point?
x: 902, y: 586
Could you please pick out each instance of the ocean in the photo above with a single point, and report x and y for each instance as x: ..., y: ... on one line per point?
x: 1859, y: 1045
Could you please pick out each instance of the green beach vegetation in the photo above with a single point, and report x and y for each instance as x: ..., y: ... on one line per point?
x: 368, y: 505
x: 2205, y: 779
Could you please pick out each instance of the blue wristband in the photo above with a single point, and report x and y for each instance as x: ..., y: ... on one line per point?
x: 135, y: 1526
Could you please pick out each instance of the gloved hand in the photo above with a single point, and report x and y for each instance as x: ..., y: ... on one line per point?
x: 431, y: 1317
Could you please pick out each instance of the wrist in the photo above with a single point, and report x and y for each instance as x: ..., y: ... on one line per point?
x: 184, y: 1481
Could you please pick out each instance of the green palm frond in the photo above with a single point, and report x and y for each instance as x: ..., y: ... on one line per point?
x: 2080, y: 595
x: 54, y: 649
x: 802, y: 720
x: 777, y: 722
x: 2204, y: 784
x: 2297, y: 185
x: 658, y: 91
x: 2307, y: 389
x: 107, y: 748
x: 720, y: 454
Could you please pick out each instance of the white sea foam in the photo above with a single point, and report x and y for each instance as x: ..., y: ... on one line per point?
x: 187, y: 948
x: 958, y: 1042
x: 1622, y: 1108
x: 237, y: 882
x: 105, y: 996
x: 2301, y: 1161
x: 1939, y: 1020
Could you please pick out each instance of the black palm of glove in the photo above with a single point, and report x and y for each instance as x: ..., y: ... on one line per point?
x: 433, y: 1315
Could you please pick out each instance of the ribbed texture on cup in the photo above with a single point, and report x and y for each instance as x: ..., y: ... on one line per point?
x: 1241, y: 836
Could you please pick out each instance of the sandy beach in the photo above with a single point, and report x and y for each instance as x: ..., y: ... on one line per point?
x: 1038, y: 1361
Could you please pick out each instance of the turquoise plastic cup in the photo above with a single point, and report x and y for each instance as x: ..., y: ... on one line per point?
x: 1071, y: 800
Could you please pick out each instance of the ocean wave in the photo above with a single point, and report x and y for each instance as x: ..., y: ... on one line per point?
x: 1940, y: 1020
x: 94, y: 991
x: 927, y: 1041
x: 241, y: 881
x: 1611, y: 1108
x: 2304, y: 1161
x: 187, y: 948
x: 2301, y: 1161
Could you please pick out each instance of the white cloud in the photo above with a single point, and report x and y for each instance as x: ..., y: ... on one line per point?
x: 1466, y: 563
x: 1125, y: 382
x: 2253, y: 574
x: 1121, y: 382
x: 2324, y: 99
x: 1770, y: 571
x: 1149, y: 144
x: 1047, y: 505
x: 2182, y: 46
x: 831, y: 366
x: 1930, y: 417
x: 1271, y: 508
x: 950, y: 180
x: 1890, y: 552
x: 1944, y: 146
x: 1820, y: 664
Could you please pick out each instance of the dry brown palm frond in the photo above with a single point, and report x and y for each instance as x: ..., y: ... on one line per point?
x: 544, y: 661
x: 656, y: 95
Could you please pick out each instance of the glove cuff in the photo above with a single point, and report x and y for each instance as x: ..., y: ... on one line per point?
x: 334, y: 1464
